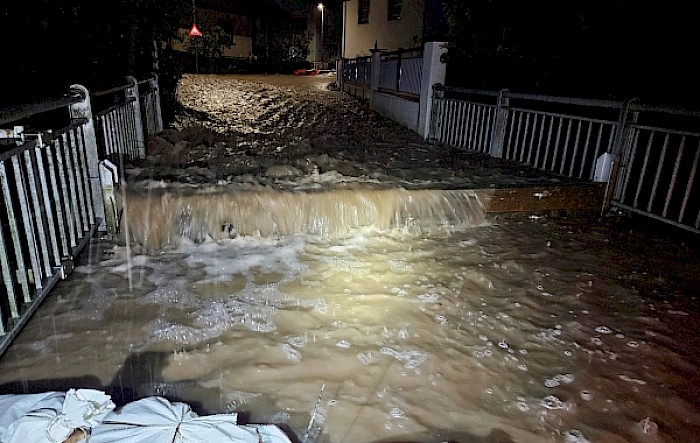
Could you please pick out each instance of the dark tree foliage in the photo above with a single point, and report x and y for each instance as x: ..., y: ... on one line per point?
x: 51, y: 44
x: 591, y: 48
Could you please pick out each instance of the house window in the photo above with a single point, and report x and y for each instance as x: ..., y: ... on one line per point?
x: 363, y: 11
x: 394, y: 12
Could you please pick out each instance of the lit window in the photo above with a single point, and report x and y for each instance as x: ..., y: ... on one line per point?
x: 394, y: 12
x: 363, y: 11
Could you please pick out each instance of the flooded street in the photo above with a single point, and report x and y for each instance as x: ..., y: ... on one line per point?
x: 348, y: 311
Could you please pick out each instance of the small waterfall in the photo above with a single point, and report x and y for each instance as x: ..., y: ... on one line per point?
x: 159, y: 218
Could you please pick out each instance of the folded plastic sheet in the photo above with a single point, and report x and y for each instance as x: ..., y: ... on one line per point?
x: 51, y: 417
x: 156, y: 420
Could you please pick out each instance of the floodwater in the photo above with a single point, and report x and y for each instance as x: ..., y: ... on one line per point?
x: 522, y: 330
x: 325, y: 299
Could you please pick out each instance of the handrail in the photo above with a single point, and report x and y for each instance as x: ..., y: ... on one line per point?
x: 19, y: 112
x: 15, y: 113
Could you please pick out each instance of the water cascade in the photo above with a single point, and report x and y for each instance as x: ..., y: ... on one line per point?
x: 159, y: 218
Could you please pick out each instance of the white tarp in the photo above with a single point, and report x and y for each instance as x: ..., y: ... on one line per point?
x: 156, y: 420
x: 53, y: 416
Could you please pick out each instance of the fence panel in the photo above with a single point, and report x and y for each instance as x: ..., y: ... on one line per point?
x: 463, y: 118
x: 659, y: 176
x: 50, y: 204
x: 47, y: 217
x: 565, y: 144
x: 401, y: 71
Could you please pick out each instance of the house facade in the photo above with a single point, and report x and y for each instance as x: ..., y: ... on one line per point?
x: 389, y: 25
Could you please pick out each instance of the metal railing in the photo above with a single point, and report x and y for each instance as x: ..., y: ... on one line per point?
x: 357, y: 76
x: 654, y: 151
x: 660, y: 166
x: 401, y: 71
x: 51, y: 196
x: 358, y: 70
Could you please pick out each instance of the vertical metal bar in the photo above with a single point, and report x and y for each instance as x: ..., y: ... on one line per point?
x: 104, y: 121
x: 585, y: 149
x: 452, y: 118
x: 442, y: 120
x: 690, y: 183
x: 470, y: 127
x: 6, y: 275
x: 28, y: 223
x: 38, y: 215
x: 532, y: 138
x: 462, y: 123
x: 488, y: 130
x: 556, y: 146
x: 546, y: 145
x: 120, y: 134
x: 644, y: 168
x: 8, y: 282
x: 467, y: 129
x: 68, y: 151
x: 658, y: 172
x: 81, y: 178
x: 113, y: 133
x: 86, y: 173
x: 134, y: 135
x: 674, y: 176
x: 566, y: 146
x: 129, y: 124
x: 448, y: 121
x: 59, y: 211
x: 510, y: 135
x: 48, y: 205
x: 575, y: 150
x: 523, y: 147
x: 64, y: 177
x: 633, y: 153
x: 480, y: 126
x: 539, y: 141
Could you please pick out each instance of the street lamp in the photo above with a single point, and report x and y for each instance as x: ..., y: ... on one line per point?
x: 320, y: 7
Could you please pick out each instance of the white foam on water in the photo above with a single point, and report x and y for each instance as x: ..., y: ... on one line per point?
x: 406, y: 332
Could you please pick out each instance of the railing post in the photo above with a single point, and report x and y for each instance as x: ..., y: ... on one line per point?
x: 500, y: 125
x: 155, y: 87
x: 133, y: 92
x: 433, y: 72
x: 83, y: 110
x: 435, y: 123
x: 340, y: 73
x: 374, y: 75
x: 398, y: 70
x: 622, y: 144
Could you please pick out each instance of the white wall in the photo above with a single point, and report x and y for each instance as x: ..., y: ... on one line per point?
x: 390, y: 35
x: 399, y: 109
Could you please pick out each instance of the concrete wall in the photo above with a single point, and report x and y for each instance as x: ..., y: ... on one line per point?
x: 399, y: 109
x: 358, y: 39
